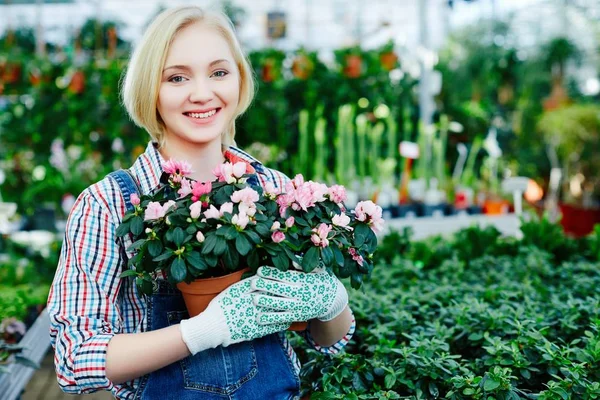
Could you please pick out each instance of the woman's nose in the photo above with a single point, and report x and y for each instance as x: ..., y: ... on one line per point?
x: 201, y: 92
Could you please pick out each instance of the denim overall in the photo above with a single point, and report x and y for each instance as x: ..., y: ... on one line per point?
x: 251, y: 370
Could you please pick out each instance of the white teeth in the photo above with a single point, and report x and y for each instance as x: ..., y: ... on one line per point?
x: 203, y: 115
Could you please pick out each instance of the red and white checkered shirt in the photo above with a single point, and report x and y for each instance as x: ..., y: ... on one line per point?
x: 89, y: 303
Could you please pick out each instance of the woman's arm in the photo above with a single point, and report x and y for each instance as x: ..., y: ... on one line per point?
x: 130, y: 356
x: 327, y: 333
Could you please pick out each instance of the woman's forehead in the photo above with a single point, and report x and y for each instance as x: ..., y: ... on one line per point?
x: 198, y: 44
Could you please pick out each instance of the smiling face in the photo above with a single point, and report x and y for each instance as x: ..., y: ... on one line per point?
x: 200, y: 88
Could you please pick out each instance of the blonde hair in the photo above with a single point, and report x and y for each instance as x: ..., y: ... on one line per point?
x: 144, y: 74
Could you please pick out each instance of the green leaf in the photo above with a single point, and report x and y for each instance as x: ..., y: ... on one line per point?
x: 209, y: 244
x: 164, y: 256
x: 281, y: 262
x: 195, y: 259
x: 253, y: 236
x: 323, y: 396
x: 155, y: 247
x: 327, y: 255
x: 178, y: 270
x: 137, y: 226
x: 263, y: 229
x: 231, y: 257
x: 490, y: 385
x: 361, y: 232
x: 137, y: 244
x: 178, y: 236
x: 433, y: 389
x: 310, y: 259
x: 253, y: 260
x: 389, y: 381
x: 123, y: 229
x: 211, y: 260
x: 220, y: 246
x: 242, y: 245
x: 144, y: 285
x: 337, y: 254
x: 129, y: 272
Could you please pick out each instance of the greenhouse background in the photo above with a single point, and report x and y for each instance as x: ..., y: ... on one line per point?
x: 474, y: 124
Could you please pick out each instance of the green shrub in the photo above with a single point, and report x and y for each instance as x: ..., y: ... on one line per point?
x: 475, y: 316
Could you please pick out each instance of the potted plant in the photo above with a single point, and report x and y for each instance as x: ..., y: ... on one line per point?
x: 197, y: 234
x: 574, y: 134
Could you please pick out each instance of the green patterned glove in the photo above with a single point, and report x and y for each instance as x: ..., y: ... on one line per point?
x: 285, y: 297
x: 231, y: 317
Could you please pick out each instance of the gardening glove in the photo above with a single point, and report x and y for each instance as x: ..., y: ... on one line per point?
x: 285, y: 297
x: 230, y: 318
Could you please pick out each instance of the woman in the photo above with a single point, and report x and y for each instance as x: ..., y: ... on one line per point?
x: 186, y: 84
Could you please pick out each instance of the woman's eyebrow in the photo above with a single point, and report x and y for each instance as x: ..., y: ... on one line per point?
x: 187, y: 68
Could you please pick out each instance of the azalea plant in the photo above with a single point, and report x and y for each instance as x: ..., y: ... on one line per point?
x: 187, y: 230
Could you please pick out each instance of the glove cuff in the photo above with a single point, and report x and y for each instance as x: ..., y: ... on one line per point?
x: 339, y: 304
x: 205, y: 331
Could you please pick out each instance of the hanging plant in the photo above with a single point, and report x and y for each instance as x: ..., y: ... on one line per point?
x: 77, y: 84
x: 303, y: 66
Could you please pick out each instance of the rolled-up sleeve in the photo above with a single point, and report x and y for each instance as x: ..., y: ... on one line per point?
x: 336, y: 347
x: 82, y: 301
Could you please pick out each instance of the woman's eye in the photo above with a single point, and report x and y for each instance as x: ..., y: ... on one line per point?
x: 176, y: 79
x: 220, y: 74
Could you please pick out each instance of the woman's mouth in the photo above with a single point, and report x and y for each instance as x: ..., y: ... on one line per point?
x: 202, y: 117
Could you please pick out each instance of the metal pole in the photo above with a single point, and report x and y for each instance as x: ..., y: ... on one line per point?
x: 425, y: 99
x: 39, y: 29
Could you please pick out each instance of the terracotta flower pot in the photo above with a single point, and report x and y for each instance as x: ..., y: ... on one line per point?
x: 199, y: 293
x: 496, y: 207
x: 578, y: 221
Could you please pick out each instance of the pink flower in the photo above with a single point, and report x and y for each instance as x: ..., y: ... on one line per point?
x: 226, y: 208
x: 355, y: 256
x: 303, y: 199
x: 230, y: 173
x: 290, y: 222
x: 337, y: 194
x: 167, y: 206
x: 278, y: 236
x: 212, y: 212
x: 319, y: 236
x: 342, y: 221
x: 271, y: 191
x: 195, y: 209
x: 240, y: 220
x: 154, y: 210
x: 239, y: 169
x: 199, y: 189
x: 371, y: 213
x: 284, y: 201
x: 298, y: 180
x: 135, y: 199
x: 177, y: 169
x: 186, y: 188
x: 199, y: 236
x: 318, y: 190
x: 247, y: 195
x: 276, y: 225
x: 249, y: 210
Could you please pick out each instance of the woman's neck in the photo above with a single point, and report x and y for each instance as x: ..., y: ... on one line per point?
x: 203, y: 158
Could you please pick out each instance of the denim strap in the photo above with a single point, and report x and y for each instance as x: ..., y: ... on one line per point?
x: 127, y: 184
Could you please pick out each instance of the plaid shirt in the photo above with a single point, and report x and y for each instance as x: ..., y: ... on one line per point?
x: 89, y: 303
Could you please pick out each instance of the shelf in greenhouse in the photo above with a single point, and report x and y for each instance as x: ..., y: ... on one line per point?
x: 507, y: 224
x: 36, y: 343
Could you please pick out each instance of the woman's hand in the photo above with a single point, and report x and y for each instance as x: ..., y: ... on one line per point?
x: 285, y: 297
x: 231, y: 317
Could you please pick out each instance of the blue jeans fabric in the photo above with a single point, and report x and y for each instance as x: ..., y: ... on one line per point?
x: 252, y: 370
